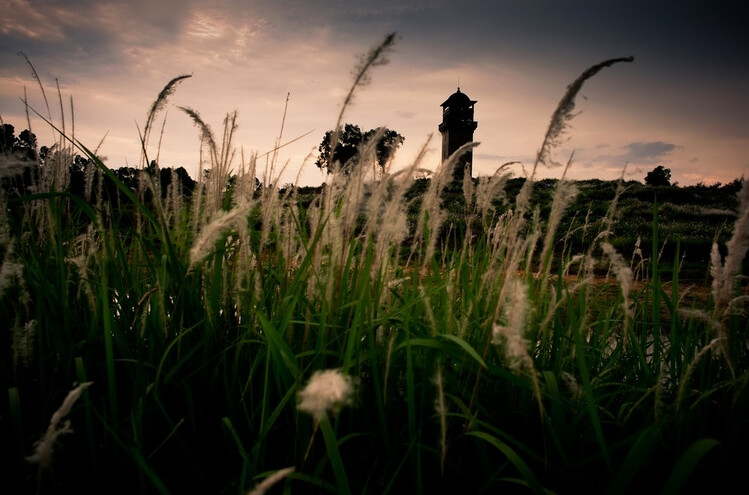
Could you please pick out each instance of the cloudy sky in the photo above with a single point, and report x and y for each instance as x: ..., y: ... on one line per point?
x: 683, y: 102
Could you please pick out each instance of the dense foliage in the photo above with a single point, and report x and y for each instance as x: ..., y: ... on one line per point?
x: 348, y: 146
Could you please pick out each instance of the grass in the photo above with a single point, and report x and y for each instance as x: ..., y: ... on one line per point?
x: 478, y: 362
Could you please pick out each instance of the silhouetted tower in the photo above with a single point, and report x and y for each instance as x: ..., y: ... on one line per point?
x: 457, y: 129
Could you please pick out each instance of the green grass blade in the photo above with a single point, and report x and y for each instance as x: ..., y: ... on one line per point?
x: 331, y: 445
x: 638, y: 458
x: 685, y: 464
x: 525, y: 471
x: 16, y: 415
x: 466, y: 347
x: 235, y: 437
x: 82, y: 378
x: 280, y: 349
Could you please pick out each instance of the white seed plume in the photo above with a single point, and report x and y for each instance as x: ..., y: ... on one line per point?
x: 44, y: 446
x: 23, y: 344
x: 326, y: 391
x: 515, y: 344
x: 271, y: 480
x: 724, y: 273
x: 572, y: 385
x: 10, y: 273
x: 565, y: 194
x: 623, y: 274
x: 211, y: 232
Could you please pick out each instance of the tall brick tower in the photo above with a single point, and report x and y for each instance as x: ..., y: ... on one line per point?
x: 457, y: 129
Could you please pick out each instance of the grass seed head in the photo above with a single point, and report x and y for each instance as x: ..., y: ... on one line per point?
x: 43, y: 448
x: 326, y: 391
x: 512, y: 334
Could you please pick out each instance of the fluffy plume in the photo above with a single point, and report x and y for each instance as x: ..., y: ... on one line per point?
x: 160, y: 102
x: 687, y: 375
x: 565, y: 194
x: 23, y: 344
x: 623, y: 274
x: 206, y: 134
x: 10, y: 273
x: 572, y: 385
x: 563, y: 113
x: 271, y: 480
x: 376, y: 56
x: 43, y: 448
x: 326, y: 391
x: 724, y: 274
x: 515, y: 345
x: 211, y: 232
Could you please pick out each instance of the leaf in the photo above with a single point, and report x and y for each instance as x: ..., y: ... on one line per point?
x: 514, y: 458
x: 685, y: 465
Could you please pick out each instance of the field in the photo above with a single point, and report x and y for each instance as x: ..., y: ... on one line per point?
x: 164, y: 335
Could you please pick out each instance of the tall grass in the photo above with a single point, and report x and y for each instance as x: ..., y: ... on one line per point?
x: 475, y: 363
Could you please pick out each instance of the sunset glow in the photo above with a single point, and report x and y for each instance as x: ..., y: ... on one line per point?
x: 682, y: 103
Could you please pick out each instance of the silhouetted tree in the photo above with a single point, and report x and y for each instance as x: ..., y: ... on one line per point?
x: 659, y: 176
x: 22, y: 147
x: 180, y: 175
x: 734, y: 186
x: 346, y: 150
x: 7, y: 138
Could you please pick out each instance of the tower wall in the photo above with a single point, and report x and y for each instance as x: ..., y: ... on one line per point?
x: 457, y: 129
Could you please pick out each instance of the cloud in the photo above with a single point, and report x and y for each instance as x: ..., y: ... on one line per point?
x: 647, y: 153
x: 634, y: 153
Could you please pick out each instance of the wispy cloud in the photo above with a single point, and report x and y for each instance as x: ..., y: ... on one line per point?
x: 647, y: 153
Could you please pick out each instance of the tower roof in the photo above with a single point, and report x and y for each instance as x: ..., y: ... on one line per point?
x: 458, y: 99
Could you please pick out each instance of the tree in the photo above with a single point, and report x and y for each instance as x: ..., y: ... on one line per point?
x: 22, y: 147
x: 350, y: 139
x: 659, y: 176
x: 7, y: 138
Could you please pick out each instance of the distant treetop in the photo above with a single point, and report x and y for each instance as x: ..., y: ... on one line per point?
x: 659, y: 176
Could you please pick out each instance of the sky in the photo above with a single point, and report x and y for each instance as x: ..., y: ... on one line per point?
x: 285, y: 67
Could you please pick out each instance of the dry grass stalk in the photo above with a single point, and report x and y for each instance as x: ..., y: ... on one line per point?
x: 490, y: 189
x: 35, y: 75
x: 686, y: 376
x: 387, y: 220
x: 156, y: 107
x: 432, y: 215
x: 220, y: 159
x: 566, y: 192
x: 559, y: 122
